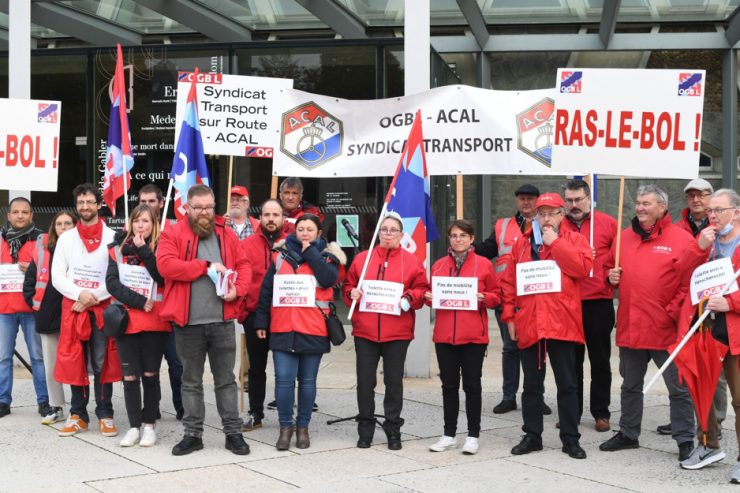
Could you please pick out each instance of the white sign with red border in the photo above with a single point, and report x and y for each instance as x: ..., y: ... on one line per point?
x: 136, y: 278
x: 626, y: 122
x: 294, y: 290
x: 381, y: 297
x: 710, y: 279
x: 540, y: 276
x: 454, y: 293
x: 11, y: 278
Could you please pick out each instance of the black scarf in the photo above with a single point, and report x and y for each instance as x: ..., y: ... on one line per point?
x: 17, y: 237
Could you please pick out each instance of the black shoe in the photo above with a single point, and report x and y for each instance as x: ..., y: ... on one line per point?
x: 546, y: 410
x: 664, y: 429
x: 684, y: 450
x: 527, y: 445
x: 179, y: 413
x: 235, y: 442
x: 364, y: 442
x: 4, y: 410
x: 393, y: 433
x: 272, y: 405
x: 619, y: 442
x: 505, y: 406
x: 315, y: 407
x: 45, y: 409
x: 187, y: 445
x: 574, y: 450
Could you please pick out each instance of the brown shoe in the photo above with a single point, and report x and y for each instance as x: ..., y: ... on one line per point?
x: 286, y: 433
x: 557, y: 425
x: 602, y: 424
x: 301, y: 438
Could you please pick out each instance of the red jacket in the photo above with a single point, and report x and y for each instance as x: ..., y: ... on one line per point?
x: 178, y: 264
x: 303, y: 208
x: 548, y: 315
x: 686, y: 224
x: 605, y: 233
x: 466, y: 326
x: 257, y: 251
x: 14, y: 302
x: 651, y: 287
x: 394, y: 265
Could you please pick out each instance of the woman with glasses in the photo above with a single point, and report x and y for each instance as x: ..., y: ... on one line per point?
x: 383, y: 325
x: 461, y: 331
x: 298, y: 335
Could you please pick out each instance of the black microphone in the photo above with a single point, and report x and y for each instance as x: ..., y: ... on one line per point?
x: 350, y: 230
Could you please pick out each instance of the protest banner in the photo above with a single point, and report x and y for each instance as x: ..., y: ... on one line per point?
x: 29, y: 144
x: 238, y: 115
x: 644, y: 123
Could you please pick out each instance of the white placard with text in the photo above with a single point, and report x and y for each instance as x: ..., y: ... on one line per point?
x: 711, y: 278
x: 298, y: 290
x: 88, y: 275
x: 454, y: 293
x: 11, y: 278
x: 136, y: 278
x: 381, y: 297
x: 540, y: 276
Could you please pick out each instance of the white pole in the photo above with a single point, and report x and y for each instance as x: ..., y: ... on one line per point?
x: 125, y: 190
x: 166, y: 205
x: 367, y: 259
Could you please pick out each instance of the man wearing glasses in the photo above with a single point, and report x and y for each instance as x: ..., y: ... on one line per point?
x: 694, y: 216
x: 238, y: 217
x: 597, y: 300
x: 650, y: 297
x: 192, y: 256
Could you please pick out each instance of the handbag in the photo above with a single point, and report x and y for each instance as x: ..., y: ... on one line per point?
x: 115, y: 320
x: 334, y: 326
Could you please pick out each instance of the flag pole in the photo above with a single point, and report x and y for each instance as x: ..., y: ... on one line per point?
x: 274, y: 187
x: 367, y: 259
x: 591, y: 187
x: 166, y: 204
x: 686, y: 338
x: 228, y: 193
x: 459, y: 212
x: 619, y: 222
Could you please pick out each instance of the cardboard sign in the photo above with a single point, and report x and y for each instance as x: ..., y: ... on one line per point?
x: 238, y: 115
x: 29, y: 144
x: 11, y: 278
x: 294, y: 290
x: 381, y: 297
x: 136, y: 278
x: 643, y: 123
x: 88, y: 275
x: 540, y: 276
x: 454, y: 293
x: 711, y: 278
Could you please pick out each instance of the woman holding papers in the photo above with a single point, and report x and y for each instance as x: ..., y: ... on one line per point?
x: 461, y: 330
x: 383, y: 325
x: 298, y: 287
x: 134, y: 281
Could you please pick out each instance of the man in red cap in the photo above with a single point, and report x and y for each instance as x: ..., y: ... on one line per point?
x: 238, y: 217
x: 542, y: 310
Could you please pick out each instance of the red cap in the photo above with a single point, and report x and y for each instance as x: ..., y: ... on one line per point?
x: 550, y: 200
x: 240, y: 190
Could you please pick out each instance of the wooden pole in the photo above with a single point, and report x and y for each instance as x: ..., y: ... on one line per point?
x: 619, y: 221
x: 274, y: 188
x: 459, y: 213
x: 231, y: 177
x: 241, y: 372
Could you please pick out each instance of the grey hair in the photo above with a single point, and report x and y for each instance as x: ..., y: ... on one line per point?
x: 394, y: 216
x: 292, y: 182
x: 731, y: 195
x: 660, y: 195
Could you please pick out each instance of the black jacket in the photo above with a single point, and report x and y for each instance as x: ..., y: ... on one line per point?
x: 49, y: 315
x: 113, y: 281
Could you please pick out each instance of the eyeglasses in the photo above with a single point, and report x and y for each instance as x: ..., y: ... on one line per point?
x: 86, y: 202
x: 462, y: 236
x: 697, y: 195
x: 200, y: 210
x: 719, y: 210
x: 575, y: 200
x: 547, y: 215
x: 389, y: 231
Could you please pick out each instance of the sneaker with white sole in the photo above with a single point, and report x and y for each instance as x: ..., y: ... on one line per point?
x: 74, y: 425
x: 444, y: 443
x: 108, y: 427
x: 148, y: 436
x: 471, y: 446
x: 56, y: 414
x: 735, y: 478
x: 131, y: 438
x: 701, y: 457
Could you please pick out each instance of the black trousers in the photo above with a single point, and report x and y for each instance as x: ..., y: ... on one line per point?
x: 258, y: 351
x: 454, y: 360
x: 598, y: 323
x: 368, y: 355
x: 562, y: 356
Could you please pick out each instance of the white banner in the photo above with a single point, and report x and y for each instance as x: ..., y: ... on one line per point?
x: 29, y: 144
x: 11, y: 278
x: 643, y: 123
x: 294, y: 290
x: 136, y: 278
x: 238, y: 115
x: 381, y: 297
x: 539, y: 276
x: 710, y: 278
x: 467, y: 131
x: 454, y: 293
x: 88, y: 275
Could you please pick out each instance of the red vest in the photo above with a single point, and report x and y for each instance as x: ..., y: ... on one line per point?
x: 303, y: 320
x: 14, y: 302
x: 40, y: 256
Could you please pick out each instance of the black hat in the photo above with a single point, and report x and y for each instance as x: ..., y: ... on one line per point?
x: 115, y: 320
x: 527, y: 189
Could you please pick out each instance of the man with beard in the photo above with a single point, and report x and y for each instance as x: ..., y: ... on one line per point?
x: 258, y: 250
x: 191, y: 256
x: 238, y: 217
x: 78, y: 273
x: 291, y: 196
x: 17, y: 238
x: 597, y: 300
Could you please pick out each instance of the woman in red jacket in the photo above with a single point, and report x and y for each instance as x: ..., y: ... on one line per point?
x: 461, y: 335
x: 133, y: 280
x: 383, y: 325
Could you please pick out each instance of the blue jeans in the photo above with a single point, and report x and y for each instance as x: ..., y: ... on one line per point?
x: 288, y: 367
x: 509, y: 361
x: 9, y: 323
x: 174, y: 367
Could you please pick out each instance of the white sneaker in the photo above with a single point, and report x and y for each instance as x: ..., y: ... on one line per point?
x: 56, y: 414
x: 148, y: 436
x: 444, y: 443
x: 471, y: 446
x: 701, y: 457
x: 735, y: 478
x: 131, y: 438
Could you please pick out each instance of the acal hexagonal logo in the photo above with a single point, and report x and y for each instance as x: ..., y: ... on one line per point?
x: 534, y: 128
x: 310, y: 135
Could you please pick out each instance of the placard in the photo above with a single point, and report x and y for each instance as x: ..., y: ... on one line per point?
x: 710, y: 279
x: 136, y: 278
x: 11, y: 278
x: 294, y: 290
x: 540, y: 276
x: 381, y: 297
x: 88, y: 275
x: 454, y: 293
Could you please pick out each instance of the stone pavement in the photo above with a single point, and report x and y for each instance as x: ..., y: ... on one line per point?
x: 34, y: 459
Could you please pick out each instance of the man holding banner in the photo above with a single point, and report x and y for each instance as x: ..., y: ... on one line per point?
x: 542, y: 310
x: 650, y: 297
